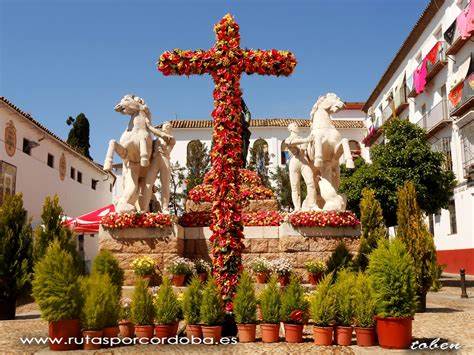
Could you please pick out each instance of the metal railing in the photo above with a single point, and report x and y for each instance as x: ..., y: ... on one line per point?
x: 435, y: 116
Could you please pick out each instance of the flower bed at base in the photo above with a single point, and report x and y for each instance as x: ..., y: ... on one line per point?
x: 136, y: 220
x: 323, y: 219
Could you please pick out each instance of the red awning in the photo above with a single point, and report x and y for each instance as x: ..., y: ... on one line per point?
x: 89, y: 222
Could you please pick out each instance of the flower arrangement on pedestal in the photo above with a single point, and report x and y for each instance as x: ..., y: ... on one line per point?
x: 180, y: 268
x: 323, y: 219
x: 282, y: 268
x: 136, y: 220
x: 251, y: 219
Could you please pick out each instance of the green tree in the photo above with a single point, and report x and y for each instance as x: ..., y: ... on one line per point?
x: 340, y: 258
x: 197, y: 163
x: 167, y: 308
x: 245, y: 302
x: 177, y: 195
x: 192, y: 302
x: 106, y: 263
x: 78, y: 136
x: 259, y: 160
x: 142, y: 310
x: 15, y: 253
x: 281, y: 181
x: 270, y: 302
x: 417, y: 239
x: 407, y: 155
x: 293, y: 299
x: 212, y: 306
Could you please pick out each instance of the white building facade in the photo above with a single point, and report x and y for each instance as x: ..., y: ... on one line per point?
x: 430, y: 82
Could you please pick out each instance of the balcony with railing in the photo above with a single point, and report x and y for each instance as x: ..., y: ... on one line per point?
x: 387, y: 113
x: 465, y: 102
x: 454, y: 39
x: 467, y: 144
x: 436, y: 118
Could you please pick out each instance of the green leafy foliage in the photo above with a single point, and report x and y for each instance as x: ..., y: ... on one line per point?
x: 339, y: 259
x: 167, y: 307
x: 142, y: 310
x: 344, y: 291
x: 392, y: 276
x: 406, y: 155
x: 323, y: 303
x: 270, y: 301
x: 177, y: 195
x: 245, y: 302
x: 106, y: 263
x: 78, y: 136
x: 293, y: 299
x: 281, y: 181
x: 364, y: 303
x: 56, y: 286
x: 15, y: 247
x: 197, y: 164
x: 192, y: 302
x: 212, y: 306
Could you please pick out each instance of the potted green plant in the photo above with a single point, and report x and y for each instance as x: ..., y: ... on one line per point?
x: 392, y: 276
x: 106, y: 263
x: 344, y: 289
x: 245, y: 309
x: 364, y: 311
x: 293, y: 311
x: 282, y: 268
x: 212, y: 311
x: 180, y: 268
x: 191, y: 308
x: 261, y: 268
x: 270, y: 305
x: 142, y: 310
x: 315, y: 270
x: 126, y: 327
x: 323, y: 311
x: 111, y: 304
x: 144, y: 267
x: 57, y: 291
x: 202, y: 268
x: 167, y: 310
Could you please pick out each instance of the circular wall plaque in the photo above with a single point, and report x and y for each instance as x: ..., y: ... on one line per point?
x: 10, y: 138
x: 62, y: 167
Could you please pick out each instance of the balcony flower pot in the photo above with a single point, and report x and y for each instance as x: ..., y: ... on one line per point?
x: 194, y: 330
x: 247, y: 332
x: 111, y: 332
x: 212, y: 331
x: 270, y: 333
x: 284, y: 280
x: 126, y: 329
x: 262, y: 277
x: 92, y: 339
x: 365, y: 336
x: 144, y: 331
x: 178, y: 280
x: 323, y: 335
x: 202, y: 277
x: 394, y: 333
x: 64, y: 329
x: 343, y: 335
x: 163, y: 331
x: 313, y: 278
x: 293, y: 333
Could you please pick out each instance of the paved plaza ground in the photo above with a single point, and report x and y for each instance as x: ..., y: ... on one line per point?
x: 448, y: 317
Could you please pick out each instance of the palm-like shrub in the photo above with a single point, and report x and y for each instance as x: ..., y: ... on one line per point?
x: 245, y: 302
x: 293, y: 300
x: 212, y: 307
x: 392, y: 276
x: 323, y: 303
x: 270, y: 302
x: 56, y: 286
x: 344, y: 289
x: 167, y: 307
x: 142, y: 310
x: 192, y: 302
x: 106, y: 263
x: 364, y: 304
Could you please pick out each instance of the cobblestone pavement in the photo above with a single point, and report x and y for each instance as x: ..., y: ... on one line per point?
x: 448, y: 317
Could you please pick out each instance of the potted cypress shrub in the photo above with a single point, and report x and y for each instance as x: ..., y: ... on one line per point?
x: 106, y: 263
x: 167, y: 310
x: 293, y: 310
x: 323, y: 311
x: 364, y: 311
x: 344, y: 289
x: 57, y: 291
x: 245, y: 309
x: 315, y: 269
x: 142, y: 310
x: 191, y: 308
x: 126, y: 327
x: 261, y: 268
x: 270, y: 305
x: 111, y: 303
x: 180, y: 268
x: 212, y: 311
x: 392, y: 276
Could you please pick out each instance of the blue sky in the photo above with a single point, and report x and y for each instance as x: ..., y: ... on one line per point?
x: 60, y: 58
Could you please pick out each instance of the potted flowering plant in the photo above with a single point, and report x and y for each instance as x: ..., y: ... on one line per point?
x: 261, y: 267
x: 364, y: 311
x: 282, y: 267
x: 344, y: 290
x: 293, y: 310
x: 270, y: 305
x: 323, y: 311
x: 144, y: 266
x: 179, y: 268
x: 203, y: 268
x: 167, y: 310
x: 212, y: 311
x: 315, y: 269
x: 245, y: 309
x: 142, y: 310
x: 126, y: 328
x: 191, y: 308
x: 392, y: 276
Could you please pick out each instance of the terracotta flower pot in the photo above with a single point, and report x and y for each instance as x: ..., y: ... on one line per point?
x: 323, y: 335
x: 92, y: 339
x: 247, y: 332
x: 64, y: 329
x: 394, y: 333
x: 163, y: 331
x: 144, y: 331
x: 174, y: 329
x: 262, y: 277
x: 126, y: 328
x: 110, y: 332
x: 202, y: 277
x: 270, y: 333
x: 178, y: 280
x: 314, y: 278
x: 343, y: 335
x: 194, y: 330
x: 212, y: 331
x: 365, y: 336
x: 284, y: 280
x: 293, y: 333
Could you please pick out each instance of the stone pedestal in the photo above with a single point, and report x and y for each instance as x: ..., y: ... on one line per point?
x: 251, y: 206
x: 162, y: 244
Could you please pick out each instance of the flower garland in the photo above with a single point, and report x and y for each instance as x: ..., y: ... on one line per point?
x: 225, y: 62
x: 323, y: 219
x: 115, y: 220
